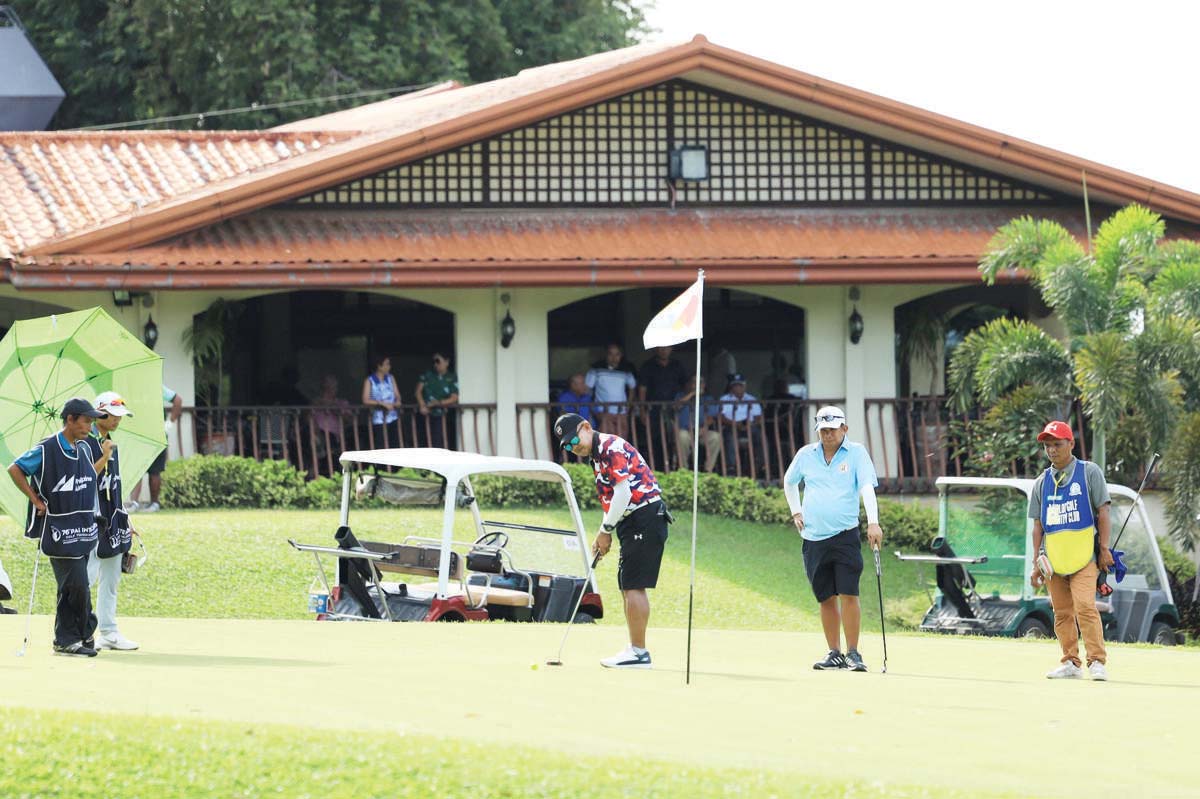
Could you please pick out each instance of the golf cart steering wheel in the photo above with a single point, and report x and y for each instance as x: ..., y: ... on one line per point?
x: 495, y: 539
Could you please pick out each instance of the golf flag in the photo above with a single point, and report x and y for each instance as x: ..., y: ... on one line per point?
x: 682, y: 320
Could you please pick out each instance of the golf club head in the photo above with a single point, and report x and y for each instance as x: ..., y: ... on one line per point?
x: 554, y: 662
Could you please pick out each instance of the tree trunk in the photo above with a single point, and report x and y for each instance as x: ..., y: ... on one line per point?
x: 1099, y: 451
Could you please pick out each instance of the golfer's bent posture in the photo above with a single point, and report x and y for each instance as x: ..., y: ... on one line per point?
x: 634, y: 509
x: 59, y: 479
x: 835, y: 473
x: 1069, y: 506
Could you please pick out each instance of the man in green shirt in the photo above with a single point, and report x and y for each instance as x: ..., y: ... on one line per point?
x: 437, y: 395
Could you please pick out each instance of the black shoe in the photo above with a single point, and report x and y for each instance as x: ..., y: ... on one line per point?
x: 89, y: 643
x: 77, y: 649
x: 834, y: 660
x: 854, y: 661
x: 7, y: 610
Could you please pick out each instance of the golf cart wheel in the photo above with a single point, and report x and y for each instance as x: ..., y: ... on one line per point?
x: 1162, y: 634
x: 587, y: 618
x: 1032, y: 627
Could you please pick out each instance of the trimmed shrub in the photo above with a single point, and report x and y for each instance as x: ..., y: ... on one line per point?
x: 220, y: 481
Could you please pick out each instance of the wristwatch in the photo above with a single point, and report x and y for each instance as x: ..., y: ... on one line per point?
x: 608, y: 528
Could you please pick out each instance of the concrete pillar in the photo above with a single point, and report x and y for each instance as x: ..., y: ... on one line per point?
x: 856, y: 362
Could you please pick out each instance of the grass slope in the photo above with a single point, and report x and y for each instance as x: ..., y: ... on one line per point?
x: 237, y: 564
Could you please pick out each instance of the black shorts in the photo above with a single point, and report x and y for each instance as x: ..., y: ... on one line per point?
x: 834, y: 564
x: 642, y: 534
x: 160, y: 463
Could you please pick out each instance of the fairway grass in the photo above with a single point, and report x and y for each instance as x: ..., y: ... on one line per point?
x: 296, y: 708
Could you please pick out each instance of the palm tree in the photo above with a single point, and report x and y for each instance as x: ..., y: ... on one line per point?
x: 1131, y: 309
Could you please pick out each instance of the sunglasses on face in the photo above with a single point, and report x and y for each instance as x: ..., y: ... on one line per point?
x: 574, y: 442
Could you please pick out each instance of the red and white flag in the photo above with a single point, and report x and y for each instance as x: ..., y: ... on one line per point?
x: 682, y: 319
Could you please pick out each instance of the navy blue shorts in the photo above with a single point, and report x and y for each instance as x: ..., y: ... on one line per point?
x: 834, y: 564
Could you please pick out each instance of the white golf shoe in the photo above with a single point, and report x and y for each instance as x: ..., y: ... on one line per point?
x: 1067, y: 671
x: 628, y: 659
x: 115, y: 641
x: 1097, y: 671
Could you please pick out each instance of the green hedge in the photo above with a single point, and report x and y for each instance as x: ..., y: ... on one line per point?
x: 219, y: 481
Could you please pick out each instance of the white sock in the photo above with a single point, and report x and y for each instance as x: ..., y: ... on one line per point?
x: 637, y: 650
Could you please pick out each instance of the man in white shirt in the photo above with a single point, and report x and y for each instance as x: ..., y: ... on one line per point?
x: 740, y: 416
x: 611, y: 381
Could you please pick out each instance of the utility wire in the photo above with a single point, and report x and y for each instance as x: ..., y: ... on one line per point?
x: 254, y: 107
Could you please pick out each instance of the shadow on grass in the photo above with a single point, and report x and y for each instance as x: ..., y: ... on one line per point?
x: 208, y: 661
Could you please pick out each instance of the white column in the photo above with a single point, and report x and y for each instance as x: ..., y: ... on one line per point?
x: 507, y: 376
x: 856, y: 362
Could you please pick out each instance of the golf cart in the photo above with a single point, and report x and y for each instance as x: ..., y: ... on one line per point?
x: 983, y: 560
x: 510, y: 571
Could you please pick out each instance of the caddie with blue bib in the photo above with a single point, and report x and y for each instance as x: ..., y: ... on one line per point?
x: 58, y: 477
x: 1069, y: 505
x: 116, y: 533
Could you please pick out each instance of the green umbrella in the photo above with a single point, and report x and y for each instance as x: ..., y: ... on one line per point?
x: 44, y: 362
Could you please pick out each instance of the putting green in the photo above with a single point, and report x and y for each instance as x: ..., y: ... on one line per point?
x: 957, y: 714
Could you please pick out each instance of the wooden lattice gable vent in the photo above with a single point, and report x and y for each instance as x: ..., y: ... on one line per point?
x: 615, y: 153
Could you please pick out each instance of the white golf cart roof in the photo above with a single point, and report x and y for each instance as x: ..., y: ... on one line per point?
x: 1024, y: 484
x: 456, y: 465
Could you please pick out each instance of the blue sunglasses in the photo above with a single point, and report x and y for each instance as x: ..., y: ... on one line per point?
x: 569, y: 444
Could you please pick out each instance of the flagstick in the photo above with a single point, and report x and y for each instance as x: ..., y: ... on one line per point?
x: 696, y: 422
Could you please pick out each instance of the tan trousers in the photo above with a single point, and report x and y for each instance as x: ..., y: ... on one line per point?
x: 1073, y: 597
x: 712, y: 448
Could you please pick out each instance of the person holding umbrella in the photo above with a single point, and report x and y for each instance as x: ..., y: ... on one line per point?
x: 835, y: 473
x: 59, y: 479
x: 1069, y: 506
x: 116, y: 533
x: 634, y: 510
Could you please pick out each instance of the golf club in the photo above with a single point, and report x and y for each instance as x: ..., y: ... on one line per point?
x: 32, y: 592
x: 882, y: 625
x: 591, y: 569
x: 1102, y: 586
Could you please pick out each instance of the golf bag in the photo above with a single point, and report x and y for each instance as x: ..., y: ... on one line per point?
x: 354, y: 574
x: 954, y: 581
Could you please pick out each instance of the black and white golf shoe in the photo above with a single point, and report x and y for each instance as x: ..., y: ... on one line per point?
x: 854, y: 661
x: 628, y: 659
x: 78, y: 649
x: 832, y: 662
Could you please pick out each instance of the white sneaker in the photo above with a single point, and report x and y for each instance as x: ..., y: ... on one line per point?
x: 151, y: 508
x: 1067, y: 671
x: 133, y: 506
x: 628, y: 659
x: 1097, y: 670
x: 115, y: 641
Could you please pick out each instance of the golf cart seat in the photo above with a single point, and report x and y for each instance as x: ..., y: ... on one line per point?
x: 476, y: 596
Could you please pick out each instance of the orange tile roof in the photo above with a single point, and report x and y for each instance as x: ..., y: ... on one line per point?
x: 566, y: 247
x: 56, y: 183
x: 42, y: 218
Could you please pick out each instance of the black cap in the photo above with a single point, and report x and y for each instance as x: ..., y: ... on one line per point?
x: 737, y: 377
x: 77, y: 406
x: 566, y: 425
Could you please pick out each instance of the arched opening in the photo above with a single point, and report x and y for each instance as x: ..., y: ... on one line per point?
x: 307, y: 354
x: 13, y: 309
x: 758, y: 338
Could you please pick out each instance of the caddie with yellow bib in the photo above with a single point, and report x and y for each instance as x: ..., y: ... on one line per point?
x: 1069, y: 506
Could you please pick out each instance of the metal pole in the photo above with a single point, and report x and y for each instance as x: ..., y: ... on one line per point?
x: 696, y: 422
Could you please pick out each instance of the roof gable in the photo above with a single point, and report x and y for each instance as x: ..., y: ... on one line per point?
x: 444, y: 120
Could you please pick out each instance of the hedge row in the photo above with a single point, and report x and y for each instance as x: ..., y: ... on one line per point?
x: 219, y: 481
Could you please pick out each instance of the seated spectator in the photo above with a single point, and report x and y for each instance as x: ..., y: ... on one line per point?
x: 708, y: 436
x: 576, y: 399
x: 611, y: 380
x: 740, y: 413
x: 329, y: 418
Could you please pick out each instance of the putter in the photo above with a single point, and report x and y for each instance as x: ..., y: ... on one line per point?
x: 32, y: 592
x: 557, y: 661
x: 1102, y: 586
x: 882, y: 625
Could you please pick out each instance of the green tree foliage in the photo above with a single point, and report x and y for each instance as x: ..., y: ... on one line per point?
x: 121, y: 60
x: 1131, y: 309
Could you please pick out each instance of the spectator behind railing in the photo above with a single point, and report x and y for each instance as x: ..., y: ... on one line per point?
x: 380, y: 392
x: 660, y: 380
x: 576, y: 399
x: 709, y: 438
x: 329, y: 420
x: 611, y: 380
x: 437, y: 395
x: 740, y: 415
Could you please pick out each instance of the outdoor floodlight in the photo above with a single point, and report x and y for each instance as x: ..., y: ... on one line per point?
x: 689, y: 162
x: 122, y: 299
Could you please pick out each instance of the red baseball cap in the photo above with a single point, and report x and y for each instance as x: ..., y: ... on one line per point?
x: 1056, y: 430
